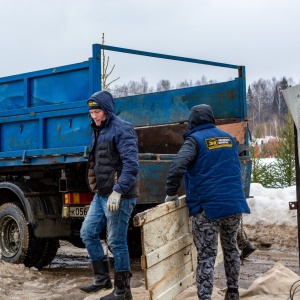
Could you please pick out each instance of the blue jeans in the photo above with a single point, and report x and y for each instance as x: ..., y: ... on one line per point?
x: 117, y: 225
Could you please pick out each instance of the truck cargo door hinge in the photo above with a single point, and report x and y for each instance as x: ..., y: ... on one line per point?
x: 25, y: 160
x: 86, y: 152
x: 293, y: 205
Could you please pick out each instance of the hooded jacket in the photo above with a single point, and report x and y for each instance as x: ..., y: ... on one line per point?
x: 113, y: 160
x: 209, y: 162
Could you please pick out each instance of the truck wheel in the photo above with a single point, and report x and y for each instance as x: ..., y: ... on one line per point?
x: 17, y: 242
x: 49, y: 249
x: 14, y: 234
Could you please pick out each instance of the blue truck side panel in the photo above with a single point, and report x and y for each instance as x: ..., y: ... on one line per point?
x: 47, y: 87
x: 174, y: 106
x: 59, y: 129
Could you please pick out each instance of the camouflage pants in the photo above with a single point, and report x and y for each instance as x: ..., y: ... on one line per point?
x: 205, y: 233
x: 242, y: 238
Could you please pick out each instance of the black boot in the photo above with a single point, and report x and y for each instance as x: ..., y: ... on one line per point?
x: 121, y: 287
x: 249, y: 249
x: 232, y: 294
x: 102, y: 279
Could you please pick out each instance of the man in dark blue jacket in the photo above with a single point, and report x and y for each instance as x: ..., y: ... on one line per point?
x: 208, y: 160
x: 112, y: 176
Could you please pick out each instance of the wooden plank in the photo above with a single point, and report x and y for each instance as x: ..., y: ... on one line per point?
x: 172, y: 263
x: 171, y: 226
x: 176, y: 289
x: 170, y: 248
x: 158, y: 211
x: 178, y: 281
x: 169, y: 255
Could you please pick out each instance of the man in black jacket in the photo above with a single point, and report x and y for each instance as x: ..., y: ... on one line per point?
x: 112, y: 176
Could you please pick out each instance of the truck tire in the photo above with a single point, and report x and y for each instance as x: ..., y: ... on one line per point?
x: 17, y: 242
x: 14, y: 234
x: 48, y: 250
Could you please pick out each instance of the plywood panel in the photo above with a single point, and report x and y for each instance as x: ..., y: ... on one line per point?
x: 169, y: 256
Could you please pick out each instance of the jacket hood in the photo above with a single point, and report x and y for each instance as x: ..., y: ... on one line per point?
x: 102, y: 100
x: 199, y: 115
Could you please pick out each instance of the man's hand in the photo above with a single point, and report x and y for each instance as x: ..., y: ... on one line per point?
x: 172, y: 198
x: 113, y: 201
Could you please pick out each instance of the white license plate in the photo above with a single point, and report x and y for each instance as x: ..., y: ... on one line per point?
x: 78, y: 211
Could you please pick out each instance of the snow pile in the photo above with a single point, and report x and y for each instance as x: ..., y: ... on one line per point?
x: 271, y: 206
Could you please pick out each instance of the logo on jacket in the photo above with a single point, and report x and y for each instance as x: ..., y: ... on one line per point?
x: 218, y: 142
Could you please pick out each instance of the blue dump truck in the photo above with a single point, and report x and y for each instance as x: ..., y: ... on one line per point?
x: 44, y: 145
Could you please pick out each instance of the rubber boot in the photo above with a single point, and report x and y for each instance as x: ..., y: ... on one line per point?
x: 249, y: 249
x: 232, y: 294
x: 102, y: 279
x: 121, y: 287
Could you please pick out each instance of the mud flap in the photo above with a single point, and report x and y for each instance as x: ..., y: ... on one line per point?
x: 169, y: 256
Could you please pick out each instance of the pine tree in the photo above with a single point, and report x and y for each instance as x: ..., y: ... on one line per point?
x: 284, y: 167
x: 261, y: 172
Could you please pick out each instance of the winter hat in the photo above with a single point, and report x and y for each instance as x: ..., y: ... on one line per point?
x: 200, y: 114
x: 99, y: 100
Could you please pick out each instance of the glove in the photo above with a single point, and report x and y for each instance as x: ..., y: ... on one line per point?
x: 172, y: 198
x: 113, y: 201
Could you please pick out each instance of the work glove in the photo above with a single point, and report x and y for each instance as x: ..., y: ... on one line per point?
x: 172, y: 198
x: 113, y: 201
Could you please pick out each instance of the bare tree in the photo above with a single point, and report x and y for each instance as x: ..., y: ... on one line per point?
x: 163, y: 85
x: 132, y: 88
x: 144, y: 86
x: 105, y: 74
x: 120, y: 90
x: 182, y: 84
x: 261, y: 99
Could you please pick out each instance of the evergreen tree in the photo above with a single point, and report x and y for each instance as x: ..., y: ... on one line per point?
x: 261, y: 172
x: 284, y: 168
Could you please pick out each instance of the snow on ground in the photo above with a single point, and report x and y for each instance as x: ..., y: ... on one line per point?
x: 271, y: 206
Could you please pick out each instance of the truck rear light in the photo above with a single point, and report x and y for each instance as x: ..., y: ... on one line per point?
x: 78, y: 198
x: 66, y: 198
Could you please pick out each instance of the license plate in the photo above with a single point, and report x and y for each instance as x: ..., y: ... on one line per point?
x: 78, y: 211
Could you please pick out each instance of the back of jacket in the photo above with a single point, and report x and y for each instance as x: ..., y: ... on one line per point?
x: 213, y: 181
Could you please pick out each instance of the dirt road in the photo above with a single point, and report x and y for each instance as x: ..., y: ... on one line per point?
x: 258, y: 263
x: 71, y: 268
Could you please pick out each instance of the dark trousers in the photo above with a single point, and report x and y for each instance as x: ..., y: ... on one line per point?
x: 205, y: 233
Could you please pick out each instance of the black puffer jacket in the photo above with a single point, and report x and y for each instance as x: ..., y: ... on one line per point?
x: 113, y: 161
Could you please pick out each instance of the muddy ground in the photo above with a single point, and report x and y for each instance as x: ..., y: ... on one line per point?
x: 273, y: 244
x: 71, y: 268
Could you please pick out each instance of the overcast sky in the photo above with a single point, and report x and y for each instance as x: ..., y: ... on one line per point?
x: 262, y: 35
